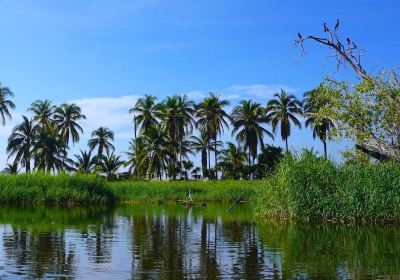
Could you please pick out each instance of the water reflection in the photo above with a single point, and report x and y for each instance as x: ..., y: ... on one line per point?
x: 171, y: 242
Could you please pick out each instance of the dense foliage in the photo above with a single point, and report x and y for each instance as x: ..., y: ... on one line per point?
x: 40, y: 188
x: 311, y: 187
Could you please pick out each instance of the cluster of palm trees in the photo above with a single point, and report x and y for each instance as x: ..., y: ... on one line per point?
x: 45, y: 138
x: 164, y: 137
x: 166, y: 134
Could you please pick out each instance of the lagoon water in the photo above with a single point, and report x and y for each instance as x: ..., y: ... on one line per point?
x: 172, y: 242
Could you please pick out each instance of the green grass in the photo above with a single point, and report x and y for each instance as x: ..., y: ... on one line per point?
x: 314, y: 188
x: 39, y: 188
x: 172, y: 191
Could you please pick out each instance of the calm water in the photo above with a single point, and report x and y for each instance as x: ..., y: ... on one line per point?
x: 171, y: 242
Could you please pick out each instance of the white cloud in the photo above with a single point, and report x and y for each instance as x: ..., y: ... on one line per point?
x: 111, y: 112
x: 256, y: 90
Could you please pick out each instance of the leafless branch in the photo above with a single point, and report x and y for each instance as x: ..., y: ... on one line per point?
x: 345, y: 52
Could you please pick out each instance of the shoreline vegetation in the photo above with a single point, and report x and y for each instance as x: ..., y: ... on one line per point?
x: 304, y: 187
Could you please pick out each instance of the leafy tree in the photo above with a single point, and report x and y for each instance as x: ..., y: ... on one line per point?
x: 247, y: 120
x: 5, y: 103
x: 21, y: 142
x: 101, y: 139
x: 267, y: 160
x: 283, y: 110
x: 313, y: 110
x: 211, y: 119
x: 66, y: 117
x: 365, y: 112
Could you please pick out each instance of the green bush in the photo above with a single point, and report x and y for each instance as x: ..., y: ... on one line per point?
x: 309, y: 187
x: 40, y: 188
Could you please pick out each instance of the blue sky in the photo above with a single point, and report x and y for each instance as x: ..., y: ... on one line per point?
x: 104, y: 54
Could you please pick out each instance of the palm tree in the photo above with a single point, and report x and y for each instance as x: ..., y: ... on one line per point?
x: 66, y: 117
x: 50, y: 152
x: 212, y: 119
x: 145, y: 111
x: 185, y: 122
x: 136, y: 155
x: 43, y: 111
x: 11, y: 168
x: 21, y: 142
x: 187, y: 166
x: 195, y: 171
x: 247, y: 120
x: 232, y: 161
x: 202, y: 144
x: 85, y: 162
x: 157, y: 152
x: 176, y: 115
x: 321, y: 125
x: 282, y: 110
x: 110, y: 164
x: 101, y: 138
x: 5, y: 104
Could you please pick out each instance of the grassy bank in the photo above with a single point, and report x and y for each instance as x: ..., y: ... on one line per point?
x: 172, y: 191
x: 315, y: 188
x: 39, y: 188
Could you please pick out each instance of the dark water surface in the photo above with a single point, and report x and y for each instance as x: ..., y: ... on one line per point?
x: 172, y: 242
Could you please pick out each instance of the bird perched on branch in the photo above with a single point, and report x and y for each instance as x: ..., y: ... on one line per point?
x: 337, y: 25
x: 299, y: 35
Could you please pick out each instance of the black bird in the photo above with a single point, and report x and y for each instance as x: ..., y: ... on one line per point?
x: 300, y: 37
x: 325, y: 27
x: 348, y: 40
x: 337, y: 25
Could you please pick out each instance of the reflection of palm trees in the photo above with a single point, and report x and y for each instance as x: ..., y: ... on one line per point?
x: 99, y: 241
x: 40, y: 253
x: 208, y: 250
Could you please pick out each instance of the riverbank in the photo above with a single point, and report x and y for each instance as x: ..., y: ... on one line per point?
x: 39, y: 188
x: 175, y: 191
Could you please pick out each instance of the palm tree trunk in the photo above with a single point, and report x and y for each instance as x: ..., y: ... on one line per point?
x: 287, y: 146
x: 134, y: 126
x: 249, y: 161
x: 180, y: 159
x: 28, y: 165
x: 204, y: 162
x: 325, y: 150
x: 215, y: 155
x: 99, y: 154
x: 209, y: 160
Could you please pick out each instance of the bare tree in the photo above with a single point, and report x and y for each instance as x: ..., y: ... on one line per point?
x: 344, y: 52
